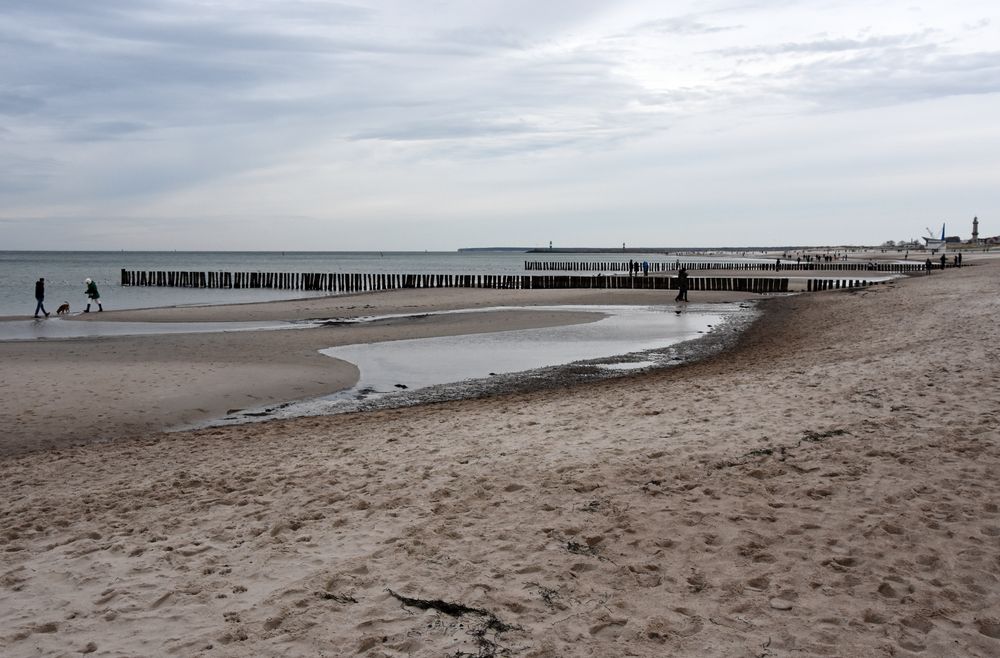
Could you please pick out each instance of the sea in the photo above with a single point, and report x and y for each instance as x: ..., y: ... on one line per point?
x: 65, y: 272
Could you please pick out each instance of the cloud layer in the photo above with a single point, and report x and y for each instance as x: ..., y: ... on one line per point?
x: 305, y: 124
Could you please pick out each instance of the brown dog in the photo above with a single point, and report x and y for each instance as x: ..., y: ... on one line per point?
x: 62, y: 310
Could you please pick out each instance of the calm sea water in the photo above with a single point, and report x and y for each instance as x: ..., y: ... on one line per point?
x: 64, y: 272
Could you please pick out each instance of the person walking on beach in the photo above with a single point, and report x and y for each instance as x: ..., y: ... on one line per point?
x: 92, y: 296
x: 927, y: 265
x: 645, y: 268
x: 682, y: 286
x: 944, y: 261
x: 40, y: 297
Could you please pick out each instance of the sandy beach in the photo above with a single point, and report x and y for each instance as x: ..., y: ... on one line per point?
x: 61, y: 392
x: 826, y: 487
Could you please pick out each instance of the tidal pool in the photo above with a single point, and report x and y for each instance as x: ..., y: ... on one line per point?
x: 422, y: 362
x: 405, y: 372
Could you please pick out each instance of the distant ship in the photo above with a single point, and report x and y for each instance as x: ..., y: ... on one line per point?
x: 935, y: 244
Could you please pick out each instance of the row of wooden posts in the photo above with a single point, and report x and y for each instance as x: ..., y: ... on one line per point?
x: 657, y: 267
x: 346, y: 283
x: 815, y: 285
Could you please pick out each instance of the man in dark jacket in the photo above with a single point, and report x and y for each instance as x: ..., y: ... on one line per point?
x: 40, y: 296
x: 682, y: 286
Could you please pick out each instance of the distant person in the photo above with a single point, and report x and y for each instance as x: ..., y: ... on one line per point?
x: 40, y: 297
x: 682, y: 286
x: 959, y: 257
x: 777, y: 264
x: 944, y: 261
x: 645, y: 268
x: 92, y: 296
x: 927, y: 265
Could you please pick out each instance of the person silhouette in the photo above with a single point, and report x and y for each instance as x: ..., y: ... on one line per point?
x: 682, y: 286
x: 92, y: 296
x: 40, y: 297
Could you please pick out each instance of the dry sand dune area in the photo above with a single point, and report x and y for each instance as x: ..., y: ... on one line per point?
x: 829, y: 486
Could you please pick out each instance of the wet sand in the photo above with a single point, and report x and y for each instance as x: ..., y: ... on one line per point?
x: 61, y: 392
x: 827, y: 487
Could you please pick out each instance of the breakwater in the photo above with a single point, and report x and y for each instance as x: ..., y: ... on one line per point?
x: 671, y: 266
x: 348, y: 283
x: 816, y: 285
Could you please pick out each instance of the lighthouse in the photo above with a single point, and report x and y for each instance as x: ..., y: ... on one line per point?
x: 975, y: 230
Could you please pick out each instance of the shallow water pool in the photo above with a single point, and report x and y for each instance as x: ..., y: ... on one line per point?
x: 398, y: 373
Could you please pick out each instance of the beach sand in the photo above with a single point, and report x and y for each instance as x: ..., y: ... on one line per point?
x: 827, y: 487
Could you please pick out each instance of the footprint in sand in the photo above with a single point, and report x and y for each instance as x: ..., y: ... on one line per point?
x: 917, y: 623
x: 888, y: 591
x: 608, y: 628
x: 911, y: 645
x: 989, y: 628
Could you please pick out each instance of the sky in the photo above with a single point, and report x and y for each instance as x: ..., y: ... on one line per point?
x: 435, y: 125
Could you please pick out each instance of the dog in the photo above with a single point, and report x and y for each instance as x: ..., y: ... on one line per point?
x: 62, y: 310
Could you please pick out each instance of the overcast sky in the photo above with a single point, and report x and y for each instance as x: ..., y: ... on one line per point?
x: 409, y: 124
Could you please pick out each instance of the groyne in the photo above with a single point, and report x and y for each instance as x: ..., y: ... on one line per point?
x: 348, y: 283
x: 671, y: 266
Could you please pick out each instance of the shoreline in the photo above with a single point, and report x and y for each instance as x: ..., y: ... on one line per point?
x: 170, y: 311
x: 63, y: 391
x: 76, y: 390
x: 410, y: 300
x: 826, y: 486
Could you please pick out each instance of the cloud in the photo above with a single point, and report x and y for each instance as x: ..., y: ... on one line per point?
x: 107, y: 130
x: 822, y: 46
x: 895, y: 76
x: 358, y: 112
x: 683, y: 25
x: 16, y: 103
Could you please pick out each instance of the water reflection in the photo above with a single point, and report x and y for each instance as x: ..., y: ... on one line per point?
x: 423, y: 362
x: 398, y: 373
